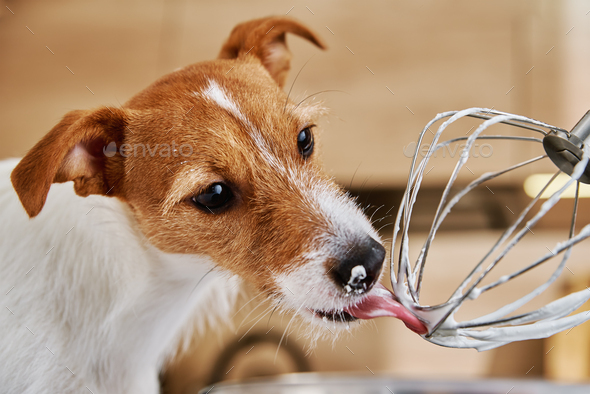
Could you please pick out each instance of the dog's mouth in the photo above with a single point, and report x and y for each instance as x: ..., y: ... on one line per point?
x: 379, y: 302
x: 338, y: 316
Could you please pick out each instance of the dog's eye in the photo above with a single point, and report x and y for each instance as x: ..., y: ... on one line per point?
x: 305, y: 142
x: 214, y: 198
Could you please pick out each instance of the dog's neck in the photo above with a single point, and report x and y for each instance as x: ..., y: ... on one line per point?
x: 139, y: 303
x: 182, y: 293
x: 175, y: 296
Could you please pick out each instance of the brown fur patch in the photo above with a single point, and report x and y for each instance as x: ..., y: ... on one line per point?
x: 271, y: 220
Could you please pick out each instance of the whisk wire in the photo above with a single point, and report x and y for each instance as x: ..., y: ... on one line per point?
x: 414, y: 181
x: 515, y: 305
x: 462, y: 160
x: 524, y: 124
x: 517, y: 237
x: 484, y: 178
x: 443, y: 329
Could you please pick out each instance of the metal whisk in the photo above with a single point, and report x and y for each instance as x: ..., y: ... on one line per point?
x: 569, y: 152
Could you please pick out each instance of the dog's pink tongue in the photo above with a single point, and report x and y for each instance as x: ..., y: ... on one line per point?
x: 380, y: 302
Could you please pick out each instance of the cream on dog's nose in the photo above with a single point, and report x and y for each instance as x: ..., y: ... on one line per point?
x: 359, y: 269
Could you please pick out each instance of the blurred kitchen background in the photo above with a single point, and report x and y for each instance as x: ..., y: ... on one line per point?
x: 391, y: 67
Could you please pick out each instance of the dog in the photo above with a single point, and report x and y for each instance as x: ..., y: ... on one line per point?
x: 140, y: 223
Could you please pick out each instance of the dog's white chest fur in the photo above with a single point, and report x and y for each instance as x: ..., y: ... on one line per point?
x: 87, y: 302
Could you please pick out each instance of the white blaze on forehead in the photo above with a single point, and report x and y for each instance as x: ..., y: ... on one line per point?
x: 219, y: 96
x: 266, y: 152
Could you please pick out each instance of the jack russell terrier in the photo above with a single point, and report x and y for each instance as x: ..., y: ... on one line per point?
x: 216, y: 180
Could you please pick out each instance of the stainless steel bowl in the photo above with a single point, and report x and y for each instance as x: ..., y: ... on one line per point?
x: 316, y: 383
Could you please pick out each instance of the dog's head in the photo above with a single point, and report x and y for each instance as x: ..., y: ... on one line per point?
x: 214, y: 159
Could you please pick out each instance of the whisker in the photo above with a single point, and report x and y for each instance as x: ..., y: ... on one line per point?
x: 254, y: 325
x: 385, y: 225
x: 371, y: 218
x: 265, y: 311
x: 353, y: 175
x: 248, y: 315
x: 295, y: 80
x: 381, y: 218
x: 200, y: 280
x: 273, y: 311
x: 365, y: 183
x: 246, y: 304
x: 310, y: 96
x: 285, y: 332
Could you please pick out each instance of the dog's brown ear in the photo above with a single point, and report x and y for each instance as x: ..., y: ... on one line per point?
x: 80, y: 148
x: 265, y: 39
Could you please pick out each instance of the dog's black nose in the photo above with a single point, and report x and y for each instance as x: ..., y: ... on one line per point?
x: 360, y: 267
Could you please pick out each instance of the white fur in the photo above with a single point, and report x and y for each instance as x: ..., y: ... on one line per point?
x: 310, y: 287
x: 87, y: 304
x: 223, y: 99
x: 219, y: 96
x: 266, y: 152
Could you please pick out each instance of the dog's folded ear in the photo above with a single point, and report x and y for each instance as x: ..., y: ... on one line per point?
x: 80, y: 148
x: 265, y: 39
